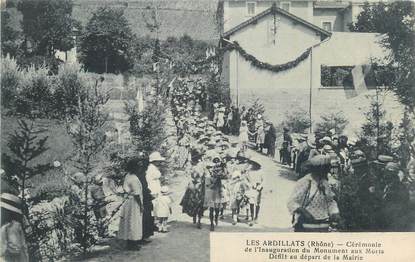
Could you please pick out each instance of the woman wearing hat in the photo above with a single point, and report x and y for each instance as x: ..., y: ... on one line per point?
x: 131, y: 218
x: 311, y: 202
x: 13, y: 242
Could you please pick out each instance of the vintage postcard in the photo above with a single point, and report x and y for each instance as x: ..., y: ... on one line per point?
x: 207, y: 130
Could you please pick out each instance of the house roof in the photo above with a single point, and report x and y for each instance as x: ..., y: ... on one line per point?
x: 330, y: 5
x: 275, y: 10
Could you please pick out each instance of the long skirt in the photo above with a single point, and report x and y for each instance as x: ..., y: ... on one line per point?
x: 131, y: 220
x: 192, y: 201
x: 148, y: 221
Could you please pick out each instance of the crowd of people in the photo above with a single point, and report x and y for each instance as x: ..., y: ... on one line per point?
x: 218, y: 168
x: 326, y: 166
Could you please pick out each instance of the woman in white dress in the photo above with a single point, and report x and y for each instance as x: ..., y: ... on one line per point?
x: 131, y: 217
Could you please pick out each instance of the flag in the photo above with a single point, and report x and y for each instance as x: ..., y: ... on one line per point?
x: 359, y: 80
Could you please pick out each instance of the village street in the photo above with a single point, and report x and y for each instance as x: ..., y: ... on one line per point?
x: 185, y: 242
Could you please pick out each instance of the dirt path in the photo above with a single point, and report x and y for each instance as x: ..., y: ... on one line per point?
x: 185, y: 242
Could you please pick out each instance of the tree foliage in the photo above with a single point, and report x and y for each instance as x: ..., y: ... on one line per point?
x: 10, y: 38
x: 86, y: 129
x: 297, y: 120
x: 107, y: 41
x: 147, y: 128
x: 48, y: 25
x: 395, y: 20
x: 21, y: 166
x: 332, y: 120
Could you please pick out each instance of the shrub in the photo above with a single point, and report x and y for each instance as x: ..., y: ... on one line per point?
x: 332, y: 120
x: 147, y: 128
x: 35, y: 94
x: 296, y: 120
x: 11, y: 77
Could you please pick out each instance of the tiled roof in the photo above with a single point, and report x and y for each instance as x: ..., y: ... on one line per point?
x: 273, y: 10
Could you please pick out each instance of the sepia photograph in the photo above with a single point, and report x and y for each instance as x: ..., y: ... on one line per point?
x: 207, y: 130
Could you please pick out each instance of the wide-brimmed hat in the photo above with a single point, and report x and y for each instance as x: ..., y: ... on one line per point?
x: 286, y: 129
x: 320, y: 161
x: 223, y: 144
x: 11, y: 202
x: 325, y: 140
x: 155, y: 156
x: 211, y: 142
x: 327, y: 148
x: 392, y: 166
x: 203, y: 139
x: 358, y: 161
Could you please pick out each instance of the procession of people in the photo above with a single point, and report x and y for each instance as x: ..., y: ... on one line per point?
x: 223, y: 184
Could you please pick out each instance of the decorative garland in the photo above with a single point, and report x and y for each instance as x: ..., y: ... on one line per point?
x: 265, y: 66
x: 253, y: 60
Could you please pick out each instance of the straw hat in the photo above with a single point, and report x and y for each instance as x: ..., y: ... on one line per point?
x: 155, y: 156
x: 392, y: 166
x: 325, y: 140
x: 320, y: 161
x: 11, y: 203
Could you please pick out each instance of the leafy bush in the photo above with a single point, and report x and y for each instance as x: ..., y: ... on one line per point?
x: 35, y: 94
x: 147, y: 128
x: 332, y: 120
x: 376, y: 133
x: 11, y: 76
x: 296, y: 120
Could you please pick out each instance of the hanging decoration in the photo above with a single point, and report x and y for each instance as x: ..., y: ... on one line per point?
x: 200, y: 65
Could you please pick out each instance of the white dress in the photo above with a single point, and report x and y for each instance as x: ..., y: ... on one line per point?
x: 131, y: 218
x: 153, y: 179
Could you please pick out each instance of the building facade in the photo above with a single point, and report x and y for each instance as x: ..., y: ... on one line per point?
x: 331, y: 15
x: 324, y: 81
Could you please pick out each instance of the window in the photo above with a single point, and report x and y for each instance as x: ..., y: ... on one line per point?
x: 286, y: 6
x: 250, y: 6
x: 337, y: 76
x: 327, y: 26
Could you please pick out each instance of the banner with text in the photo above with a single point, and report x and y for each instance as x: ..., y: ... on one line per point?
x: 366, y: 247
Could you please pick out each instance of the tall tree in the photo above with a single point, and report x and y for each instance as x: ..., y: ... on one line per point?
x: 10, y: 40
x: 107, y: 41
x: 395, y: 20
x: 48, y: 25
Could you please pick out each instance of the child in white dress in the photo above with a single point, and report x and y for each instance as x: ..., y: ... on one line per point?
x: 163, y: 208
